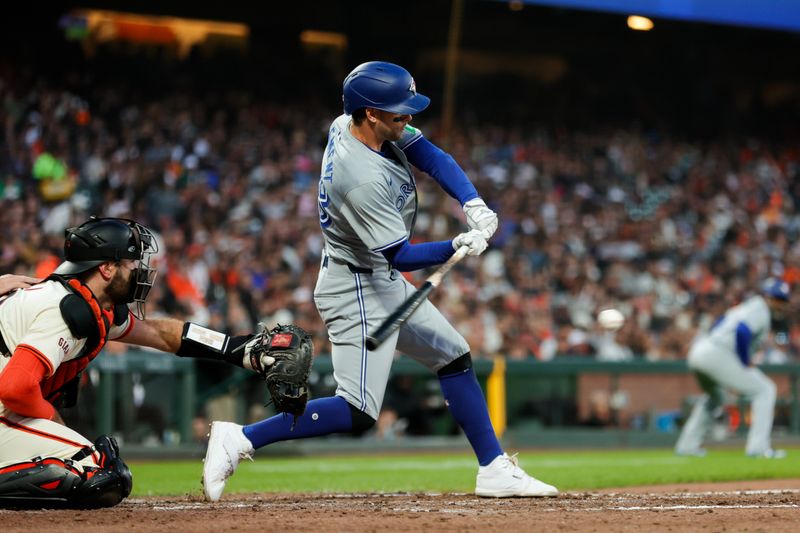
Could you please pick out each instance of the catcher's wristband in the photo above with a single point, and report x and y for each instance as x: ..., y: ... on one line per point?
x: 204, y: 343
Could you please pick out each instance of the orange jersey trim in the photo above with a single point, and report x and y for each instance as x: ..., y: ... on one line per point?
x: 40, y: 356
x: 40, y: 433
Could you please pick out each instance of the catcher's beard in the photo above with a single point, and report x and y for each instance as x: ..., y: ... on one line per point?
x: 121, y: 290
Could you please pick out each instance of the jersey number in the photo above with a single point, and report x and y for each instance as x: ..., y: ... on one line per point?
x: 327, y: 175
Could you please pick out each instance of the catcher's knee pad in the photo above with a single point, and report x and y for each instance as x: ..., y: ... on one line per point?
x: 108, y: 449
x: 39, y: 483
x: 104, y: 487
x: 109, y: 484
x: 361, y: 420
x: 456, y: 366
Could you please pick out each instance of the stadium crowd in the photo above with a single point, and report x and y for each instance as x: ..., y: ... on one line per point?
x: 670, y: 231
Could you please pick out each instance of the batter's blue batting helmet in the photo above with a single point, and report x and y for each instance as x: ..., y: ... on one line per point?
x: 777, y: 288
x: 384, y: 86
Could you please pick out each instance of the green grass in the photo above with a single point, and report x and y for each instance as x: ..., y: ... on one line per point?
x: 568, y: 470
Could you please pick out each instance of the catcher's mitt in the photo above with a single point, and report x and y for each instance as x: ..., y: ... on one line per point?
x: 291, y: 349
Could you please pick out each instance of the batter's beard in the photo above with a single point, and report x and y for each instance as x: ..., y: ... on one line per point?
x: 119, y: 290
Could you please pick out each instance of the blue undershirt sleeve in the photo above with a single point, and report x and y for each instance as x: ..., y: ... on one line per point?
x: 441, y: 166
x: 743, y: 336
x: 406, y: 257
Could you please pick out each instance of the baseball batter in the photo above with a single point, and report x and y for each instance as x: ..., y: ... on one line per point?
x: 721, y: 359
x: 367, y: 209
x: 49, y: 332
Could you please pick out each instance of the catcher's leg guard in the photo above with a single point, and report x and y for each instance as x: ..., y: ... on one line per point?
x: 53, y: 483
x: 41, y: 483
x: 108, y: 485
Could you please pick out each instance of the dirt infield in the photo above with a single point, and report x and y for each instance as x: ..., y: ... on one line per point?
x: 742, y: 506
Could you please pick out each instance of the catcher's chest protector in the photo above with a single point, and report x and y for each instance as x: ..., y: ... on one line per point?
x: 86, y: 320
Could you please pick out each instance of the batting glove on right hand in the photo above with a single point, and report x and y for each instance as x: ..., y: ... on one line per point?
x: 479, y: 216
x: 474, y: 240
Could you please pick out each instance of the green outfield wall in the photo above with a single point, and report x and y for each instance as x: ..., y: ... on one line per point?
x: 547, y: 403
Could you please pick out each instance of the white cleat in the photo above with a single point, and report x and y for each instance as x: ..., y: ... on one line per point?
x: 503, y: 478
x: 226, y: 446
x: 769, y: 454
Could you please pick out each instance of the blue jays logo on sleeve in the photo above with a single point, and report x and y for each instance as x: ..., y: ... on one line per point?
x: 322, y: 204
x: 406, y: 190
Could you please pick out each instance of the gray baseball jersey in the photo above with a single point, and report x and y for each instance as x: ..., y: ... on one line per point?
x: 367, y: 200
x: 754, y: 312
x: 714, y: 355
x: 367, y: 204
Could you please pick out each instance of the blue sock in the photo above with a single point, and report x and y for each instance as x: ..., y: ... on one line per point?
x: 465, y: 399
x: 322, y: 417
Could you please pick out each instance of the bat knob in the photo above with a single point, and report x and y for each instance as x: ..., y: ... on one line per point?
x: 372, y: 343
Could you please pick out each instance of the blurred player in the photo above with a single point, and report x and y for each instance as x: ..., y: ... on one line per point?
x: 367, y: 208
x: 722, y: 359
x: 49, y: 332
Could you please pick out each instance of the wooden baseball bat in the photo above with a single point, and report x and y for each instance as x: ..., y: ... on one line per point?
x: 411, y: 304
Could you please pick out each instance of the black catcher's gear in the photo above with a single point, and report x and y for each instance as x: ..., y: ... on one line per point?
x: 54, y: 483
x: 291, y: 349
x: 112, y: 239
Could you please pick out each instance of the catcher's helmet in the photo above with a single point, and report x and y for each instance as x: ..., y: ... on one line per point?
x: 776, y: 288
x: 112, y: 239
x: 384, y: 86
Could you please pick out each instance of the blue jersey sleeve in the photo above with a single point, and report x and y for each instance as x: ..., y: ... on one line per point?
x: 441, y: 166
x: 743, y: 338
x: 406, y: 257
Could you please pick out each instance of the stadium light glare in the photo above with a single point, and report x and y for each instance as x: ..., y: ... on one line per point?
x: 638, y: 23
x: 105, y: 26
x: 324, y: 38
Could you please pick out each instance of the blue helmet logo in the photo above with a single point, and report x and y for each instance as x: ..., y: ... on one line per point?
x: 383, y: 86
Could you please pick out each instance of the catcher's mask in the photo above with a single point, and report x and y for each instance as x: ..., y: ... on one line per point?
x: 99, y: 240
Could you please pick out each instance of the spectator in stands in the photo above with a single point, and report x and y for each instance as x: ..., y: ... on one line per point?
x: 589, y: 214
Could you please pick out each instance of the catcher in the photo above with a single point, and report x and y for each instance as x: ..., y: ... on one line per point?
x: 51, y: 330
